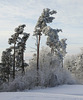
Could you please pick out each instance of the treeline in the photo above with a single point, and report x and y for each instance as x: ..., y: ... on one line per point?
x: 46, y: 68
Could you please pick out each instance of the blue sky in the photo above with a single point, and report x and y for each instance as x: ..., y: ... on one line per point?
x: 69, y: 18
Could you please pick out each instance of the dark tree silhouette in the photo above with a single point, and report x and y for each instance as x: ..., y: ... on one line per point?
x: 18, y: 47
x: 6, y: 64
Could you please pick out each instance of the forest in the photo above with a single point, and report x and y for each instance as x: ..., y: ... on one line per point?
x: 48, y: 67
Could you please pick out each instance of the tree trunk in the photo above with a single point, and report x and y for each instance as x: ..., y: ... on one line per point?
x: 23, y: 61
x: 62, y: 63
x: 38, y: 45
x: 8, y: 72
x: 52, y: 51
x: 14, y: 63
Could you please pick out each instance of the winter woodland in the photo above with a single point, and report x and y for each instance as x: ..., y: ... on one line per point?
x: 48, y: 66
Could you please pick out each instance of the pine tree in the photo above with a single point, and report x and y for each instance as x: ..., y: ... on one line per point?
x: 41, y: 23
x: 6, y: 64
x: 58, y: 47
x: 18, y: 47
x: 21, y: 46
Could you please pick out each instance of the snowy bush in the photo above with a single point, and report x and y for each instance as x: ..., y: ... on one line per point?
x: 51, y: 73
x: 74, y: 64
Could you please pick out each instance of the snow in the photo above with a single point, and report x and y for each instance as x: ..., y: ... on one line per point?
x: 64, y: 92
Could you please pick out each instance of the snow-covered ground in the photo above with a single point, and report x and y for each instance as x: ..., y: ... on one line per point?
x: 64, y: 92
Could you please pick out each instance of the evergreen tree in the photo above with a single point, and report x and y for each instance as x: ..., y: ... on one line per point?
x: 19, y: 47
x: 6, y: 64
x: 58, y: 47
x: 41, y: 23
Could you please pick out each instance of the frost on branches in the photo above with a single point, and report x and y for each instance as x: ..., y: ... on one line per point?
x: 58, y: 47
x: 12, y: 60
x: 43, y: 20
x: 46, y: 67
x: 41, y: 23
x: 51, y: 72
x: 74, y: 64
